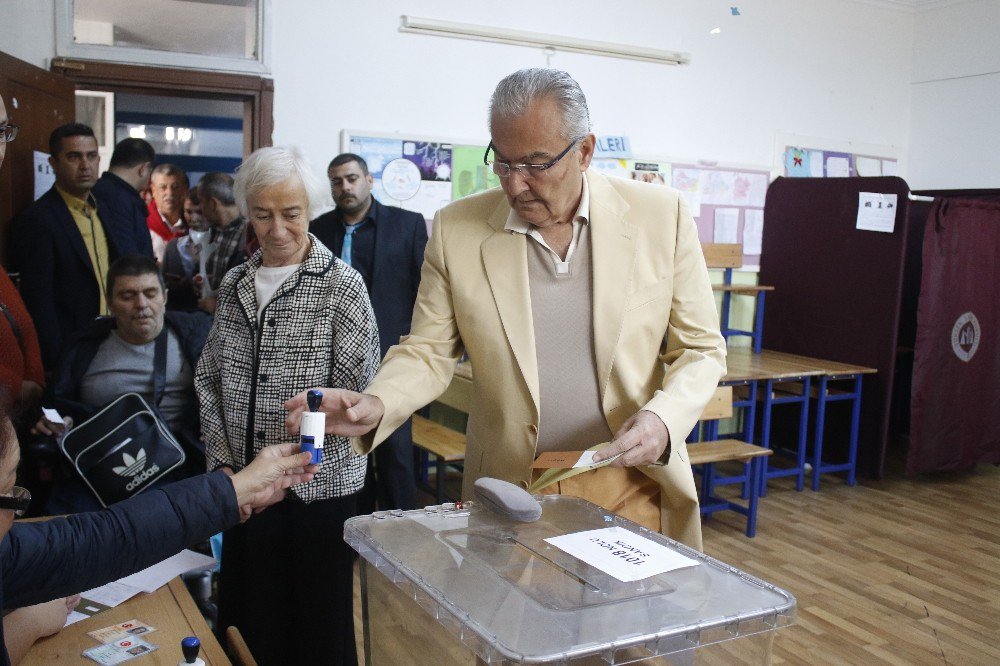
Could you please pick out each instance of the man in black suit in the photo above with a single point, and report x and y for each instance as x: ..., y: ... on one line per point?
x: 62, y: 246
x: 117, y: 192
x: 386, y: 246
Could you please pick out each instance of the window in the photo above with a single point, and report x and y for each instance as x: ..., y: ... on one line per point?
x: 225, y: 35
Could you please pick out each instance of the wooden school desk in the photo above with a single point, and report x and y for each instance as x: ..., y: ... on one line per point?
x: 170, y: 610
x: 780, y: 378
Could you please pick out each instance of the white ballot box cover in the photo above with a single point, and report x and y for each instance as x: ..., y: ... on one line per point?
x: 451, y: 584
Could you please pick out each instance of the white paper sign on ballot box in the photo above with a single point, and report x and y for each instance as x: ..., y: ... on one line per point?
x: 621, y: 553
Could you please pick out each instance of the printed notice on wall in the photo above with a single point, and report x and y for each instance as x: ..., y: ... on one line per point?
x: 876, y: 212
x: 621, y: 553
x: 45, y: 178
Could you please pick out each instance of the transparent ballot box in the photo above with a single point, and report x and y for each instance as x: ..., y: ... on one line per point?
x: 446, y: 585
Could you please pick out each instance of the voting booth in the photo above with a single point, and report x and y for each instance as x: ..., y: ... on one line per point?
x: 463, y: 585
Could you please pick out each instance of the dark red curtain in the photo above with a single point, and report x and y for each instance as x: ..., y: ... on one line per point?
x: 955, y: 408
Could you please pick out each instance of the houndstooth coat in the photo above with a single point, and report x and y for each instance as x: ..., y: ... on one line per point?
x: 318, y: 330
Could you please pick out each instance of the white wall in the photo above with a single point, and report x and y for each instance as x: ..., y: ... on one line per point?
x: 839, y: 70
x: 927, y: 82
x: 28, y: 30
x: 954, y: 139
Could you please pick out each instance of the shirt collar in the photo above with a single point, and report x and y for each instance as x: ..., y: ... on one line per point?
x: 75, y: 202
x: 582, y: 216
x: 370, y: 216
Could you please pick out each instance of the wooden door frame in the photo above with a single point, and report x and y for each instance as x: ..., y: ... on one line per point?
x: 46, y: 101
x: 256, y: 93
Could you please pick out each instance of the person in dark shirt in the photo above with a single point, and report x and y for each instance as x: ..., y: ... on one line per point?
x: 63, y: 244
x: 117, y: 193
x: 386, y: 245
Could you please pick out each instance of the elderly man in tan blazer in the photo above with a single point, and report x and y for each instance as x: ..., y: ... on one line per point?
x: 584, y: 305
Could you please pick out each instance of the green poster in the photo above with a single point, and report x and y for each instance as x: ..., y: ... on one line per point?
x: 469, y: 174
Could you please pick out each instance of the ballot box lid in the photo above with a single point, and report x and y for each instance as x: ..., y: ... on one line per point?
x: 497, y: 581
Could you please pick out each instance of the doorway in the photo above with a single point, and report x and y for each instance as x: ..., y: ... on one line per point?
x: 153, y: 89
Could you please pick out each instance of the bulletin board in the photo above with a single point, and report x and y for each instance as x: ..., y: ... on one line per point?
x: 423, y: 174
x: 803, y: 162
x: 420, y: 173
x: 727, y: 202
x: 799, y: 156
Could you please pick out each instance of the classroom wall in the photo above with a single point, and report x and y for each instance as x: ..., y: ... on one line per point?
x: 954, y: 141
x: 868, y: 72
x: 808, y: 67
x: 28, y: 30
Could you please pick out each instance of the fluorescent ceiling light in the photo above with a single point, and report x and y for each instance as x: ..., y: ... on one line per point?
x: 425, y: 26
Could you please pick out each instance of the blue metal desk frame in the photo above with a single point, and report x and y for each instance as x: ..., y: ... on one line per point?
x: 823, y: 398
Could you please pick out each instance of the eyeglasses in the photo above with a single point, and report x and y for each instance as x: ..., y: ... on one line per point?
x: 503, y: 169
x: 17, y: 501
x: 8, y: 132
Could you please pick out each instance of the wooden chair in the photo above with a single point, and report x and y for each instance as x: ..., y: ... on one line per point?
x: 728, y: 256
x: 705, y: 454
x: 237, y: 648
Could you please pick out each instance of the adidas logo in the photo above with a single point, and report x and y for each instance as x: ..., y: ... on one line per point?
x: 134, y: 467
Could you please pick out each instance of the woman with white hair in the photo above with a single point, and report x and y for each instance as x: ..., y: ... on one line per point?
x: 291, y: 318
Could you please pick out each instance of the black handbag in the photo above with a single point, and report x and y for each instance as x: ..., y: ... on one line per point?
x: 125, y: 447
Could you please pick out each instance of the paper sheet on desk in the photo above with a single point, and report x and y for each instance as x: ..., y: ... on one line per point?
x: 152, y: 578
x: 148, y: 580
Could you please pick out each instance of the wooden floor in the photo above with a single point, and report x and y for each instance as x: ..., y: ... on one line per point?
x: 896, y: 571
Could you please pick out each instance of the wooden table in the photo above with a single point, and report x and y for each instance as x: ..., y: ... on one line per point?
x: 780, y: 378
x: 170, y: 610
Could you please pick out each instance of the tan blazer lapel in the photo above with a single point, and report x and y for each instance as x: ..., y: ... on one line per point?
x: 613, y: 250
x: 505, y: 261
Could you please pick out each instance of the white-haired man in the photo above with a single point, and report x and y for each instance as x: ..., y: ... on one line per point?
x: 585, y: 307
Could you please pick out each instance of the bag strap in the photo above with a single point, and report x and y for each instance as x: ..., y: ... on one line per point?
x: 160, y: 366
x: 13, y: 325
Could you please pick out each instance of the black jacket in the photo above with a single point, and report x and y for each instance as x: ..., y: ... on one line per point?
x: 400, y: 239
x: 46, y: 560
x: 126, y: 213
x: 58, y: 283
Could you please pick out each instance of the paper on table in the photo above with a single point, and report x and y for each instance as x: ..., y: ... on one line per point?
x: 727, y: 223
x: 753, y: 230
x: 621, y: 553
x: 889, y: 167
x: 152, y: 578
x: 876, y: 212
x: 100, y: 599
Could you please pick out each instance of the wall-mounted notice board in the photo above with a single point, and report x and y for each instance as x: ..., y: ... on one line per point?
x: 423, y: 174
x: 420, y: 173
x: 803, y: 162
x: 727, y: 202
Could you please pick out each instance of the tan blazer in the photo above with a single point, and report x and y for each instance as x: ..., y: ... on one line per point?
x: 656, y: 333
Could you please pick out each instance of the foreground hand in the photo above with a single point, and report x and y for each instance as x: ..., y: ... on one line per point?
x: 348, y: 414
x: 642, y: 439
x: 50, y: 429
x: 263, y: 482
x: 23, y: 626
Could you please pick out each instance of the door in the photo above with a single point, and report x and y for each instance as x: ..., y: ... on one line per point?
x: 38, y: 101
